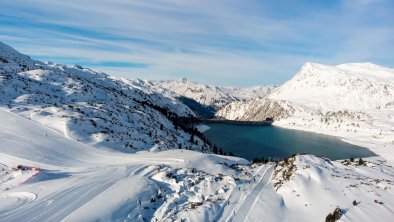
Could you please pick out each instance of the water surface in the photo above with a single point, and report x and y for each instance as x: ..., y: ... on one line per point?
x: 269, y: 141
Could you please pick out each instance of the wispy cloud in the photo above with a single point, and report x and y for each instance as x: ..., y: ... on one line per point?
x: 221, y: 42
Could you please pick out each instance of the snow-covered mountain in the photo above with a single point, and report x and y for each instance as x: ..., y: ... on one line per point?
x: 349, y: 100
x: 93, y: 107
x: 213, y: 96
x: 353, y: 87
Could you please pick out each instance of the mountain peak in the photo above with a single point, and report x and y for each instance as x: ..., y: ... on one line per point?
x: 312, y: 69
x: 7, y: 51
x: 361, y: 69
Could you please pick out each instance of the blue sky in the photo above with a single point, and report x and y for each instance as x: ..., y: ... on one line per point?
x: 222, y: 42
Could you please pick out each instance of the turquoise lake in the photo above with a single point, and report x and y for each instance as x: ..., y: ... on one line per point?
x: 252, y: 142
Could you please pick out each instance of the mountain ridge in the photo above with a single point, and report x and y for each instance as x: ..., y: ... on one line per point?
x: 209, y: 95
x: 93, y: 107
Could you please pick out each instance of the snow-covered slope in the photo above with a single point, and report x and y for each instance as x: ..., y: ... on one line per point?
x: 354, y: 87
x: 67, y: 180
x: 93, y: 107
x: 355, y: 101
x: 13, y: 61
x: 209, y: 95
x: 310, y: 188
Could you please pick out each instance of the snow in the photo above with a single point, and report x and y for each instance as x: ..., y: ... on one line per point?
x: 352, y: 101
x: 79, y: 171
x: 102, y: 111
x: 12, y: 200
x: 214, y: 96
x: 354, y: 86
x: 317, y: 186
x: 79, y: 182
x: 202, y: 128
x: 248, y: 199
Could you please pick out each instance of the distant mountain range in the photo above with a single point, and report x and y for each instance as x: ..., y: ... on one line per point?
x: 213, y: 96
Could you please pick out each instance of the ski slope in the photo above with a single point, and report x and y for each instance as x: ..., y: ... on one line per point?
x: 249, y: 203
x: 77, y: 182
x: 243, y: 198
x: 72, y: 174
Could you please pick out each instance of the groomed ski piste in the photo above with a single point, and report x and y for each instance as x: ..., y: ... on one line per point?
x: 77, y: 182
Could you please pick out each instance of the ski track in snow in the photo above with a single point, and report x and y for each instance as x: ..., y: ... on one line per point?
x: 240, y: 204
x: 13, y: 200
x: 248, y: 204
x: 65, y: 200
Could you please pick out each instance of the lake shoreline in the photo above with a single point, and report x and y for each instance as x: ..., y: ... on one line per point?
x: 252, y: 142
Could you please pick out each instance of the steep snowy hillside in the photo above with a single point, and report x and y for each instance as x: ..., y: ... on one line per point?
x: 355, y: 101
x: 212, y: 96
x: 255, y: 109
x: 93, y: 107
